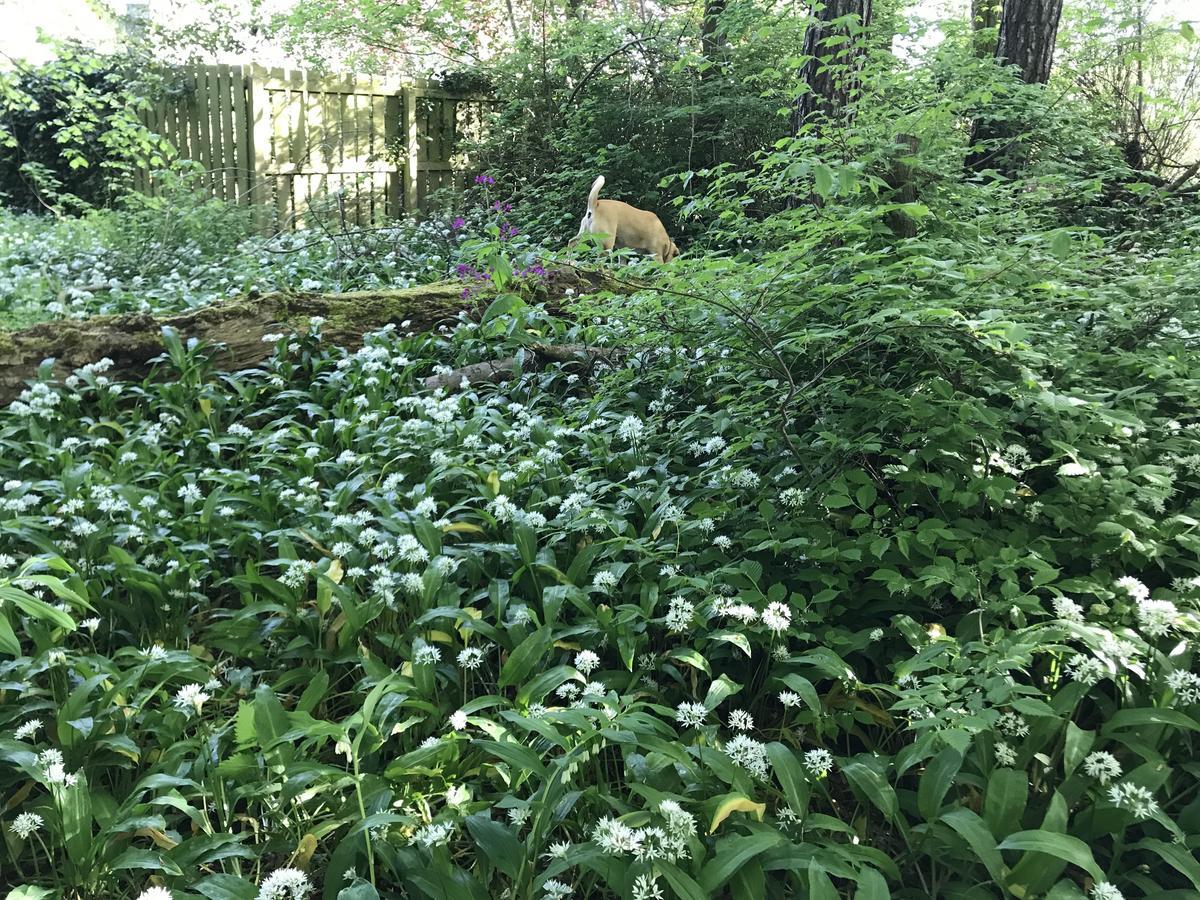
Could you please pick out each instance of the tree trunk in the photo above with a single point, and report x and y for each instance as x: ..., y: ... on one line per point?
x: 1027, y: 32
x: 710, y: 40
x: 1026, y: 40
x: 132, y: 341
x: 830, y: 80
x: 900, y: 180
x: 985, y: 16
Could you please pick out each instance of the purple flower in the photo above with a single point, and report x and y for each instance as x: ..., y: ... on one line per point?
x: 484, y: 179
x: 459, y: 222
x: 502, y: 207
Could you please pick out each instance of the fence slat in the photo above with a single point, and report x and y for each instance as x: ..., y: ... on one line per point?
x: 241, y: 133
x: 285, y: 139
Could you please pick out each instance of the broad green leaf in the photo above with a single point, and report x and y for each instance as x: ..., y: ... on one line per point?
x: 935, y: 781
x: 820, y: 887
x: 731, y: 854
x: 875, y: 788
x: 1067, y: 848
x: 1177, y: 856
x: 721, y: 687
x: 872, y: 886
x: 692, y: 658
x: 1076, y: 745
x: 1142, y: 716
x: 1005, y: 799
x: 791, y: 778
x: 972, y: 829
x: 805, y: 689
x: 525, y: 657
x: 497, y: 842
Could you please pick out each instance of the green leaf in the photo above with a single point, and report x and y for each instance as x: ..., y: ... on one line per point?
x: 820, y: 887
x: 1005, y: 800
x: 935, y: 781
x: 872, y: 886
x: 519, y: 757
x: 1177, y: 856
x: 75, y: 807
x: 684, y: 886
x: 1060, y: 244
x: 504, y: 305
x: 875, y: 788
x: 226, y: 887
x: 29, y: 892
x: 145, y: 861
x: 1062, y: 846
x: 692, y: 658
x: 522, y: 660
x: 1076, y: 745
x: 790, y: 776
x: 805, y: 689
x: 733, y: 853
x: 1137, y: 718
x: 541, y: 685
x: 972, y: 829
x: 9, y: 643
x: 823, y: 179
x: 721, y: 688
x: 497, y: 842
x: 1188, y: 32
x: 358, y: 890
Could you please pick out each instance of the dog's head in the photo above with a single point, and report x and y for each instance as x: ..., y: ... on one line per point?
x: 672, y: 252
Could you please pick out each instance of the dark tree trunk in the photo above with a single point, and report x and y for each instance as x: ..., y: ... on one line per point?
x: 985, y: 16
x: 830, y: 71
x: 900, y: 180
x: 710, y: 39
x: 1027, y: 32
x: 1026, y: 40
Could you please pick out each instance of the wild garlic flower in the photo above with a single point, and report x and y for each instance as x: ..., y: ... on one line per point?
x: 819, y: 762
x: 284, y: 884
x: 26, y: 824
x: 1102, y: 766
x: 190, y: 698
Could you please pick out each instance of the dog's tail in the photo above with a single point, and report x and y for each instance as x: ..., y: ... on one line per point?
x: 594, y: 195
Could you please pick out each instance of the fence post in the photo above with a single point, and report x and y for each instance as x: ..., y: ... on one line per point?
x: 258, y: 144
x: 411, y: 150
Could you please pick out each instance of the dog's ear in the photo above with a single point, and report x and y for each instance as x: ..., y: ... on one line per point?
x: 672, y: 252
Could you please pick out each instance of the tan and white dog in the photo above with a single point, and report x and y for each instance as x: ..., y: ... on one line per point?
x: 625, y: 227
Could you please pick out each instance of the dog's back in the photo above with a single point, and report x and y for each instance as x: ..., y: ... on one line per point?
x: 625, y: 226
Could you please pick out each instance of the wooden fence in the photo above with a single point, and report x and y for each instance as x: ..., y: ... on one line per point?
x: 299, y: 146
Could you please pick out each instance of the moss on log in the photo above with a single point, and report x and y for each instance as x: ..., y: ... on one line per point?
x: 238, y: 326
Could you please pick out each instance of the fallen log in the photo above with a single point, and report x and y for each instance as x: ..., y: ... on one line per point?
x: 238, y: 326
x: 536, y: 355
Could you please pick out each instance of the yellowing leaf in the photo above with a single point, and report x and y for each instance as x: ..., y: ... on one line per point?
x: 472, y: 613
x: 206, y: 407
x: 335, y: 571
x: 440, y: 636
x: 736, y: 803
x: 462, y: 528
x: 566, y: 645
x: 304, y: 851
x: 160, y: 838
x: 493, y: 482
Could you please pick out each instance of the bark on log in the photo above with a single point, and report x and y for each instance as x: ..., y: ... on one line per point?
x: 496, y: 371
x: 132, y: 341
